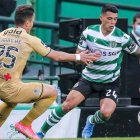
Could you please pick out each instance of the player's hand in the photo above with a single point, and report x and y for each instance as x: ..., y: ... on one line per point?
x: 88, y: 58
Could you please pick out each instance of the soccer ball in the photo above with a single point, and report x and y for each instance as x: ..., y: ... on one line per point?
x: 139, y: 117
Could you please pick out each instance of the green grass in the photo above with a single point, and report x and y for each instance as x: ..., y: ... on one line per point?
x: 117, y: 138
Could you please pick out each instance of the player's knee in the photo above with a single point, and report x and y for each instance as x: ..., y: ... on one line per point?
x: 50, y: 91
x: 54, y: 94
x: 53, y: 91
x: 106, y: 113
x: 67, y: 106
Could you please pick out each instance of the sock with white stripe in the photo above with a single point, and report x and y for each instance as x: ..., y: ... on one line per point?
x: 54, y: 117
x: 98, y: 118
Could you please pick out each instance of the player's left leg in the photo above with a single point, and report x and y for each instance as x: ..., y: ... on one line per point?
x: 108, y: 101
x: 107, y: 107
x: 5, y: 110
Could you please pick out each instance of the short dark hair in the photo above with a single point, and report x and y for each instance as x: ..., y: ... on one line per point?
x: 23, y: 12
x: 135, y: 17
x: 109, y: 7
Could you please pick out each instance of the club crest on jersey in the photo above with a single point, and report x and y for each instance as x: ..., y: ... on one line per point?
x: 113, y: 44
x: 37, y: 91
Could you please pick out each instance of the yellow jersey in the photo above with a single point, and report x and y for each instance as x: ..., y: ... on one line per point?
x: 16, y: 46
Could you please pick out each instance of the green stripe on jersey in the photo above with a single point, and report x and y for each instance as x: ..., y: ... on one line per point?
x: 101, y: 41
x: 105, y: 63
x: 90, y: 38
x: 98, y: 71
x: 98, y: 40
x: 127, y: 44
x: 97, y: 80
x: 103, y: 72
x: 117, y: 32
x: 94, y: 27
x: 120, y: 58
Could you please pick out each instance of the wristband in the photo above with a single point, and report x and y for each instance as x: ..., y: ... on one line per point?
x: 78, y: 57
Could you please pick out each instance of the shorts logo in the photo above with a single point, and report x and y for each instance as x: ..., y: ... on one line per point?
x: 76, y: 85
x: 37, y: 91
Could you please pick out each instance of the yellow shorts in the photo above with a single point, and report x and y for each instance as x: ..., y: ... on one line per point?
x: 19, y: 92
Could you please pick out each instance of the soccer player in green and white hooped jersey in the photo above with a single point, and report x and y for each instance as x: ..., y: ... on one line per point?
x: 101, y: 76
x: 107, y: 68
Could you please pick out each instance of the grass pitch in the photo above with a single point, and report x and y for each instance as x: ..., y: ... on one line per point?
x: 117, y: 138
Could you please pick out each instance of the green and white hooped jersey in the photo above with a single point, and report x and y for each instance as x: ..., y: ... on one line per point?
x: 107, y: 68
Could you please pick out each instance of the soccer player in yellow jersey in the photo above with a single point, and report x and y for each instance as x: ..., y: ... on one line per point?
x: 15, y: 47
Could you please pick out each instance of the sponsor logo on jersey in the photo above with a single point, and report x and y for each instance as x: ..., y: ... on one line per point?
x: 13, y: 31
x: 110, y: 53
x: 104, y: 53
x: 97, y: 51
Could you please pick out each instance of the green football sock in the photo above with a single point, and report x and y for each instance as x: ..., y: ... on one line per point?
x: 98, y: 117
x: 53, y: 118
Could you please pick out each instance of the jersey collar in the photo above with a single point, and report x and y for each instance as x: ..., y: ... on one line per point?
x: 108, y: 34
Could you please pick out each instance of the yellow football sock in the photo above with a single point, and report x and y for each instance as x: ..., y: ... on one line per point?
x: 5, y: 110
x: 38, y: 109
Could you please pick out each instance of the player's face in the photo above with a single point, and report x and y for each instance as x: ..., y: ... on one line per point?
x: 108, y: 20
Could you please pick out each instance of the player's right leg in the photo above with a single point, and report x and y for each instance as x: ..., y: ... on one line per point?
x: 43, y: 95
x: 74, y: 98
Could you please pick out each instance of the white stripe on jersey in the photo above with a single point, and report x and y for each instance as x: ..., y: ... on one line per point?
x: 94, y: 77
x: 104, y: 67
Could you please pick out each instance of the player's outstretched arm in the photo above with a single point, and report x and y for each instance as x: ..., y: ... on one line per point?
x: 84, y: 56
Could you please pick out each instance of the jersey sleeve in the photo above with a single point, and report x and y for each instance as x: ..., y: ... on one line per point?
x: 128, y: 44
x: 40, y: 47
x: 82, y: 45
